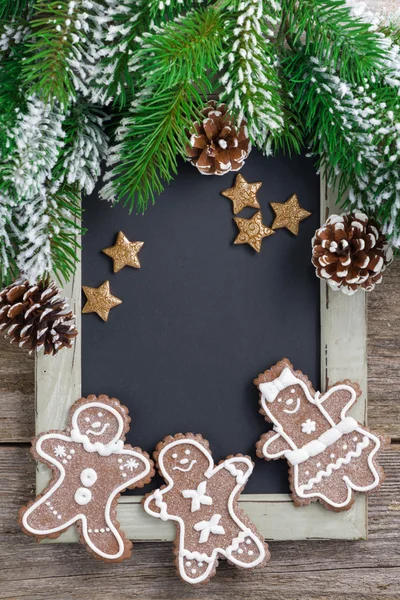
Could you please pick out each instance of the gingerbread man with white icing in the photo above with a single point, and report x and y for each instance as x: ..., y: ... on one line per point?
x: 330, y: 455
x: 202, y: 500
x: 91, y: 467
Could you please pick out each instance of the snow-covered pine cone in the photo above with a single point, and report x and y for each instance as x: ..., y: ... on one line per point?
x: 36, y: 316
x: 216, y: 146
x: 349, y: 252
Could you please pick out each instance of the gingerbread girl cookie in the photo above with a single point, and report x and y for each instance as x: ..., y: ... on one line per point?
x: 330, y: 454
x: 91, y: 467
x: 202, y: 500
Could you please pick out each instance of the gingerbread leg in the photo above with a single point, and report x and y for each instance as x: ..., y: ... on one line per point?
x: 196, y: 570
x: 105, y: 540
x: 45, y: 515
x: 247, y: 550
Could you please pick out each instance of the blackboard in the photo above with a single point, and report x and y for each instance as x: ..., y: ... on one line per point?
x: 202, y: 317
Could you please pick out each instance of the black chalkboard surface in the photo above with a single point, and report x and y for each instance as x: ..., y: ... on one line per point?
x: 202, y: 317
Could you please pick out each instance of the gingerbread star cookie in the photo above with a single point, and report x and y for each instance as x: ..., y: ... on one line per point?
x: 91, y: 466
x: 330, y: 455
x: 202, y: 501
x: 252, y: 231
x: 243, y: 194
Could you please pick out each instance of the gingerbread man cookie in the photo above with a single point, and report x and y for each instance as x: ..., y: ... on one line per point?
x: 330, y: 454
x: 91, y: 467
x: 202, y: 500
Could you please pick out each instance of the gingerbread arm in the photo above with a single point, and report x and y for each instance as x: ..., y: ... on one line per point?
x: 54, y: 448
x: 240, y: 467
x: 272, y: 445
x: 154, y: 504
x: 133, y: 467
x: 338, y: 399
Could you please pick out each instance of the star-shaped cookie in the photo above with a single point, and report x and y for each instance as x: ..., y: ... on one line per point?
x: 100, y: 300
x: 252, y: 231
x: 289, y: 214
x: 124, y: 253
x: 243, y: 194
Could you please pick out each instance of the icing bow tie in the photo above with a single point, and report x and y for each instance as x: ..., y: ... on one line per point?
x: 271, y: 389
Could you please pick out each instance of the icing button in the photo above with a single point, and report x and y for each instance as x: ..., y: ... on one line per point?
x: 72, y: 451
x: 188, y: 563
x: 248, y: 541
x: 240, y: 551
x: 83, y: 496
x: 193, y: 571
x: 250, y: 553
x: 88, y: 477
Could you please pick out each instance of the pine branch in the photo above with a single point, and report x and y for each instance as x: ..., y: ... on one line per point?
x: 172, y: 95
x: 46, y: 228
x: 11, y: 9
x: 113, y: 80
x: 251, y: 82
x: 63, y: 48
x: 85, y: 147
x: 329, y: 30
x: 8, y: 245
x: 182, y: 50
x: 37, y: 138
x: 150, y: 142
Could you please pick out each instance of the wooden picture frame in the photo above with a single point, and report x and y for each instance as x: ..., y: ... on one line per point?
x: 343, y: 356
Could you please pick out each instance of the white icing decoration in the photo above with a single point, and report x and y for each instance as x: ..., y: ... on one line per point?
x: 208, y: 527
x: 185, y: 554
x: 325, y: 440
x: 131, y: 464
x: 308, y: 427
x: 60, y: 451
x: 296, y: 408
x: 88, y: 477
x: 335, y: 466
x: 241, y: 477
x: 82, y: 496
x: 193, y: 462
x: 102, y: 430
x: 295, y: 455
x: 198, y: 496
x: 106, y: 451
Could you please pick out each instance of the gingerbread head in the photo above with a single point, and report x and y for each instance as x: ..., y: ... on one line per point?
x: 99, y: 426
x: 184, y: 458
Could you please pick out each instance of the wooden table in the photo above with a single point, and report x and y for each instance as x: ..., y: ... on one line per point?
x: 297, y: 570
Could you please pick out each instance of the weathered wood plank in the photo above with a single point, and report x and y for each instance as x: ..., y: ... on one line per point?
x: 384, y: 353
x: 16, y: 393
x: 324, y: 570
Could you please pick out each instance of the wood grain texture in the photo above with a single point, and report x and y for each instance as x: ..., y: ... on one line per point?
x: 307, y: 570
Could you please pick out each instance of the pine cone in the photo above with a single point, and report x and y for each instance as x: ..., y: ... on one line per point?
x: 350, y: 252
x: 35, y: 317
x: 216, y: 146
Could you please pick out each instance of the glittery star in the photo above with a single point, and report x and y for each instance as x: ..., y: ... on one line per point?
x: 124, y: 253
x: 100, y: 300
x: 243, y: 194
x: 252, y: 231
x: 289, y: 214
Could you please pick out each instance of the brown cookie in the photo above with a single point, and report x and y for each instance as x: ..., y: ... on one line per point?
x: 202, y: 500
x: 330, y: 454
x: 91, y: 467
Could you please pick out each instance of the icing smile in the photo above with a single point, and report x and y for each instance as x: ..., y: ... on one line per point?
x: 296, y: 408
x: 183, y: 469
x: 102, y: 430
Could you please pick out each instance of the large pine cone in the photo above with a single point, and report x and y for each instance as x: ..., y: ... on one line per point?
x: 350, y: 252
x: 216, y: 146
x: 35, y: 317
